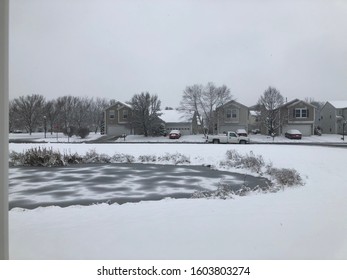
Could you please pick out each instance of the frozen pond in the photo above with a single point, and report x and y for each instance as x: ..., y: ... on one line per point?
x: 85, y: 184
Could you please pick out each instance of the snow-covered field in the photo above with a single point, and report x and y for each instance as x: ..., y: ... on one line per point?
x: 306, y: 222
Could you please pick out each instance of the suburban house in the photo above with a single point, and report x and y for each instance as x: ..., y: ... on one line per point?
x: 297, y: 114
x: 230, y: 117
x: 185, y: 122
x: 254, y: 121
x: 332, y: 117
x: 117, y: 119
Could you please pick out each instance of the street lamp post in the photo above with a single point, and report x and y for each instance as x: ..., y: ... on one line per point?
x: 45, y: 125
x: 343, y: 130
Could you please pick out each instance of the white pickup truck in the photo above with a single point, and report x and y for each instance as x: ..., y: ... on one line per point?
x: 230, y: 137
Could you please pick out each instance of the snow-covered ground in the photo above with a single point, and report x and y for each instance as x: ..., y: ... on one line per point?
x: 55, y: 137
x: 325, y: 138
x: 306, y: 222
x: 52, y: 138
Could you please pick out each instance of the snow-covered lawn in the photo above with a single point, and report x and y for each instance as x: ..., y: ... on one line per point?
x: 306, y: 222
x: 325, y: 138
x: 52, y: 138
x: 55, y: 137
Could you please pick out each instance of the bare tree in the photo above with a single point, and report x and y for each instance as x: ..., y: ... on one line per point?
x: 145, y: 112
x: 204, y: 101
x: 29, y: 110
x: 97, y: 109
x: 81, y: 113
x: 268, y: 107
x: 191, y: 100
x: 66, y: 106
x: 52, y: 113
x: 14, y: 121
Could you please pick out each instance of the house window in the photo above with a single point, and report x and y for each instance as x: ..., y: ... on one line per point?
x: 301, y: 113
x: 339, y: 112
x: 125, y: 114
x: 112, y: 114
x: 231, y: 113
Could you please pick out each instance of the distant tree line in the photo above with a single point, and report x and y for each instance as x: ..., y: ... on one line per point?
x: 64, y: 114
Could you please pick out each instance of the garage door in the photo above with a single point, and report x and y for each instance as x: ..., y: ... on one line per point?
x: 118, y: 130
x: 305, y: 129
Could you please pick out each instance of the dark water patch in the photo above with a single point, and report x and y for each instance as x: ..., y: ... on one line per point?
x: 116, y: 183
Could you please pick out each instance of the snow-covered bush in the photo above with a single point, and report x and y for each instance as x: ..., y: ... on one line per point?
x: 177, y: 158
x: 285, y: 176
x: 147, y: 158
x: 250, y: 161
x: 123, y: 158
x: 43, y: 157
x: 256, y: 163
x: 93, y: 157
x: 223, y: 191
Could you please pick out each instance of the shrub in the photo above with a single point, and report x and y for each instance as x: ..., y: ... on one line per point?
x: 123, y: 158
x: 250, y: 161
x: 37, y: 157
x: 285, y: 176
x: 174, y: 158
x: 70, y: 131
x: 256, y: 163
x: 93, y: 157
x: 147, y: 158
x: 83, y: 132
x: 223, y: 191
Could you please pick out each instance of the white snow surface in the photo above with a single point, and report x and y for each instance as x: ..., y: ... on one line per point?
x: 339, y: 104
x: 303, y: 222
x: 175, y: 116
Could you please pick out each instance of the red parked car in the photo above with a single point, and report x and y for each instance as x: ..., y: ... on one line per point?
x: 174, y: 134
x: 293, y: 134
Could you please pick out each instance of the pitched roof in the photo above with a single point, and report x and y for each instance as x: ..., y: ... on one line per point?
x: 339, y: 104
x: 295, y: 102
x: 122, y: 104
x: 234, y: 102
x: 175, y: 116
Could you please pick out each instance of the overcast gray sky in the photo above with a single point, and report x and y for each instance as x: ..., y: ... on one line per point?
x: 115, y: 49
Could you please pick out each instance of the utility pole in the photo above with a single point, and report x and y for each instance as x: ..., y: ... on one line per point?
x: 4, y: 28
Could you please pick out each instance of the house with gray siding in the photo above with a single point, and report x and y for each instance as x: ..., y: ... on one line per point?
x: 297, y: 114
x: 230, y: 117
x: 117, y: 119
x: 332, y: 117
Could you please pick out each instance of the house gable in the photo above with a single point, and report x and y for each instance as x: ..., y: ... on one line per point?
x: 300, y: 112
x: 117, y: 119
x: 231, y: 116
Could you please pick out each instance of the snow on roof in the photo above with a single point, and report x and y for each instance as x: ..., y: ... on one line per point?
x: 339, y: 104
x: 175, y: 116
